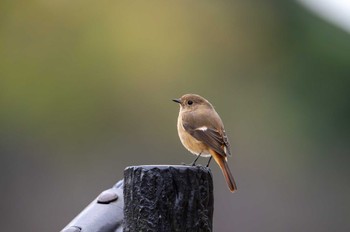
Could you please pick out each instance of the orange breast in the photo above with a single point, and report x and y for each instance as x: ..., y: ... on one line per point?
x: 189, y: 142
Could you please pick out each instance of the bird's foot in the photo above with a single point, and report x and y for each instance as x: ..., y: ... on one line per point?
x: 191, y: 164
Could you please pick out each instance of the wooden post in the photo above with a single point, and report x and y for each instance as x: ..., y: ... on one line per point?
x: 168, y: 198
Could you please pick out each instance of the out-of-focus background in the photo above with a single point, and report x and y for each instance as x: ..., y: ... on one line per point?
x: 85, y: 91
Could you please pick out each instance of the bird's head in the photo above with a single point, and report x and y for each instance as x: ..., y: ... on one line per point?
x: 190, y: 102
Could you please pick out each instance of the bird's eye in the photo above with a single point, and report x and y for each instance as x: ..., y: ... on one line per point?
x: 190, y: 102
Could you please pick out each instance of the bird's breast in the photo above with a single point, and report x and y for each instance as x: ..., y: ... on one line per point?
x: 189, y: 142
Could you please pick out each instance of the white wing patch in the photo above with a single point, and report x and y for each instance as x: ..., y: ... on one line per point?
x: 203, y: 128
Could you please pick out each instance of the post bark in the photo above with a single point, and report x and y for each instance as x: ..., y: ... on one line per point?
x: 168, y: 198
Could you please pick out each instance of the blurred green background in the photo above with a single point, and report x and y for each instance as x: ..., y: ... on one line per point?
x: 85, y: 91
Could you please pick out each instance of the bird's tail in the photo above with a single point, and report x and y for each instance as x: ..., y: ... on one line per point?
x: 225, y: 170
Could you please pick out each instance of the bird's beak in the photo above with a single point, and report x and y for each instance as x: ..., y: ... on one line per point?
x: 177, y: 100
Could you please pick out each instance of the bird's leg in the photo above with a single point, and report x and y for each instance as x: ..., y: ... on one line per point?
x: 194, y: 162
x: 209, y: 161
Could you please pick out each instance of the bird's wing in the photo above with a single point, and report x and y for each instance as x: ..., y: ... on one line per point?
x: 226, y: 142
x: 211, y: 137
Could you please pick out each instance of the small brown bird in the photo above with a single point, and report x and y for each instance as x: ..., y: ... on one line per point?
x: 202, y: 132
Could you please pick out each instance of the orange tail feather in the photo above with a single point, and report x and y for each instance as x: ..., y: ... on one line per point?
x: 220, y: 160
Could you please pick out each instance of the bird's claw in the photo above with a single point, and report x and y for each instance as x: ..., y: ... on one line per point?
x: 191, y: 164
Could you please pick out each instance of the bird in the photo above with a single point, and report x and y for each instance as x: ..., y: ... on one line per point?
x: 202, y: 132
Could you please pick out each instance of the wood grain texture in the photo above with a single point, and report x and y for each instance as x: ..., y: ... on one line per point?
x: 168, y: 198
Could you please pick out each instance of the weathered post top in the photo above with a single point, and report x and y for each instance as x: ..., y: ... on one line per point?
x: 168, y: 198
